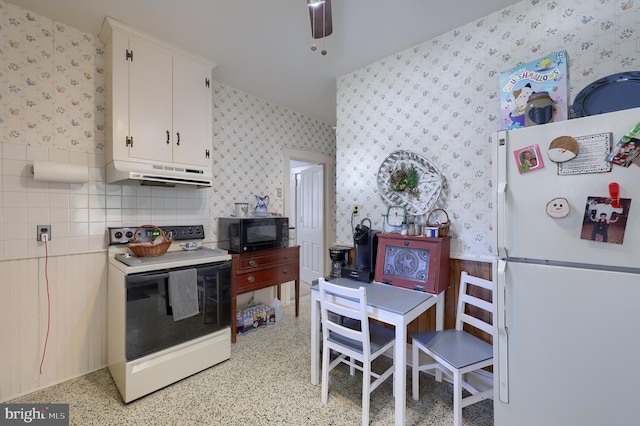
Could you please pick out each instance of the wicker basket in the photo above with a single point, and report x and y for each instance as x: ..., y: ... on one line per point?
x: 443, y: 228
x: 152, y: 250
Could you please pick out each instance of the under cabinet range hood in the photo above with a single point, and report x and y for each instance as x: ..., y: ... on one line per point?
x: 157, y: 174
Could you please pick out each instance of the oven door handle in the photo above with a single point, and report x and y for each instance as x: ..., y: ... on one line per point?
x: 133, y: 280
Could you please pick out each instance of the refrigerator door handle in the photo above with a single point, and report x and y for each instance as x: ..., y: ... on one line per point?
x: 499, y: 141
x: 501, y: 212
x: 503, y: 332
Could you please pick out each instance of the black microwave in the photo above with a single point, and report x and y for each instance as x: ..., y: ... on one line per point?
x: 243, y: 235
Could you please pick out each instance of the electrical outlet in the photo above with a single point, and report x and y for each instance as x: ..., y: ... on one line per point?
x: 356, y: 209
x: 43, y: 229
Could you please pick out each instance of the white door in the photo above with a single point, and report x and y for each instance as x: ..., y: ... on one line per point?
x: 309, y: 222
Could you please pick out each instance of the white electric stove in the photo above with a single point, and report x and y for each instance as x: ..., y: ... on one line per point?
x: 149, y: 348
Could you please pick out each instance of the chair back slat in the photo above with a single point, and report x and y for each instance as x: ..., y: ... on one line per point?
x: 356, y: 310
x: 466, y: 300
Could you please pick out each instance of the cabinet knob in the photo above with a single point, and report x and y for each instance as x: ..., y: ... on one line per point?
x: 252, y: 262
x: 251, y: 278
x: 168, y: 137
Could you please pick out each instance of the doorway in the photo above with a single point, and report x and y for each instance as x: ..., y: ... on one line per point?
x: 324, y: 231
x: 309, y: 218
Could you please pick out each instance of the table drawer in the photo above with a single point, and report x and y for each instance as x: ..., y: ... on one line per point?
x: 267, y: 260
x: 266, y: 277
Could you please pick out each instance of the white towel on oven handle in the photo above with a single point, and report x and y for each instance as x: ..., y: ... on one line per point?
x: 183, y: 293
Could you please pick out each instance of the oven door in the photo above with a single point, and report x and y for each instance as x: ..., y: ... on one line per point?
x: 150, y: 326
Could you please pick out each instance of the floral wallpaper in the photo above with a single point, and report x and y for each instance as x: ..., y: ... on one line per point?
x: 250, y: 134
x: 53, y: 79
x: 440, y: 100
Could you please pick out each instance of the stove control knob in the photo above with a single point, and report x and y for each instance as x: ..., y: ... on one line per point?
x: 118, y: 235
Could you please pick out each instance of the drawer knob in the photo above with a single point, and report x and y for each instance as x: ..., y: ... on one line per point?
x: 286, y: 257
x: 252, y: 262
x: 251, y: 279
x: 285, y: 271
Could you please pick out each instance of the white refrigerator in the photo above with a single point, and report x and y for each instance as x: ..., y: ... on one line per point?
x: 568, y: 344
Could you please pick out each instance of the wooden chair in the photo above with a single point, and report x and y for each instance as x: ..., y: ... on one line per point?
x: 456, y: 352
x: 346, y: 330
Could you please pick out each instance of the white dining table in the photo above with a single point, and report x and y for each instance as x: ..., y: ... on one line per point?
x: 396, y: 306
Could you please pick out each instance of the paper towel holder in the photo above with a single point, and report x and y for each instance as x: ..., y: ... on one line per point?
x: 50, y: 171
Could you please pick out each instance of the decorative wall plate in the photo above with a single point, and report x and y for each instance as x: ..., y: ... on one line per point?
x: 429, y: 182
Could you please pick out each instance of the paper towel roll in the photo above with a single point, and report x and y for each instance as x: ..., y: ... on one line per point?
x: 60, y: 172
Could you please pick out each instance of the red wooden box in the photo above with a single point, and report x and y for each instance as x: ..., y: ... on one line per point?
x: 418, y: 263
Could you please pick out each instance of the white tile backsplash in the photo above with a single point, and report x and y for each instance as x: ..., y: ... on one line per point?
x: 59, y: 200
x: 15, y: 199
x: 13, y: 167
x: 59, y: 215
x: 14, y: 152
x: 17, y: 231
x: 98, y: 216
x: 37, y: 200
x: 38, y: 216
x: 78, y: 201
x: 78, y: 229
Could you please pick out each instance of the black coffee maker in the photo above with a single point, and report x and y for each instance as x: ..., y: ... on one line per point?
x: 365, y: 242
x: 339, y: 259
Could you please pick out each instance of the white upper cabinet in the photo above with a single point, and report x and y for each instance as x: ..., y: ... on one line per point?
x: 158, y: 101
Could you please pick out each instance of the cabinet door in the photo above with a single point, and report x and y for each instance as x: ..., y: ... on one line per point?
x: 192, y: 119
x: 150, y: 102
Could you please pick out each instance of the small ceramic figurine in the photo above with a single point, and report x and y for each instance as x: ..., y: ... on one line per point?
x: 262, y: 206
x: 539, y: 109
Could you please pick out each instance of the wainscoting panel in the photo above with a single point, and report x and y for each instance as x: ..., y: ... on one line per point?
x: 19, y: 333
x: 75, y: 288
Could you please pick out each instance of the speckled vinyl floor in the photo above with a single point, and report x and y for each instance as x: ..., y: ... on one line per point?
x: 266, y: 382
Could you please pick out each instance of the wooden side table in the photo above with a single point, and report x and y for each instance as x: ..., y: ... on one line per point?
x: 263, y: 269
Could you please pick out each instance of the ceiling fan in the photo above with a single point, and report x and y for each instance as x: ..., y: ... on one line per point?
x: 321, y: 23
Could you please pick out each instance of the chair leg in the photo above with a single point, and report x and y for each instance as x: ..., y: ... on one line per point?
x: 366, y: 391
x: 457, y: 398
x: 415, y: 370
x: 326, y: 355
